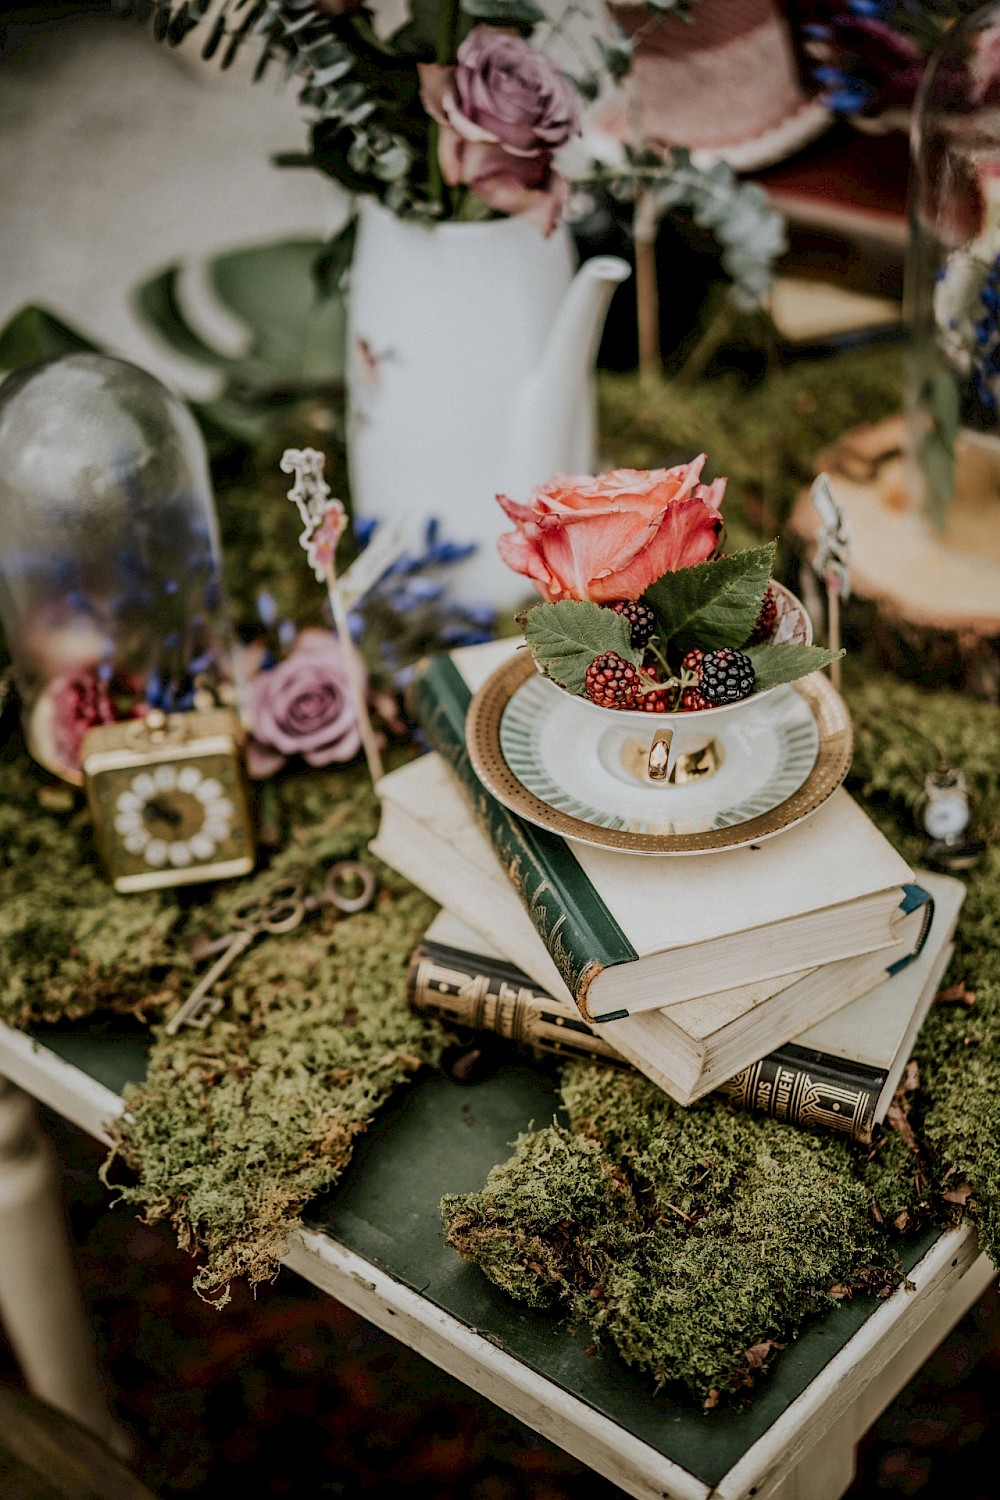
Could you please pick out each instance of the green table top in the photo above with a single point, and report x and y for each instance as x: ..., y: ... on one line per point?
x: 441, y: 1137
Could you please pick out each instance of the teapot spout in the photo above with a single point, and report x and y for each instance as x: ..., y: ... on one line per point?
x: 553, y: 417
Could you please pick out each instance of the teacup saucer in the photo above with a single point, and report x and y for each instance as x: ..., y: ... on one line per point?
x: 559, y: 763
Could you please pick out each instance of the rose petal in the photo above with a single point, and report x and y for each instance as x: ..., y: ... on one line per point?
x: 688, y: 534
x: 261, y: 761
x: 522, y: 557
x: 345, y: 747
x: 435, y: 79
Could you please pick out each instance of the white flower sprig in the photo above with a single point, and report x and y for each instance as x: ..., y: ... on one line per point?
x: 324, y: 519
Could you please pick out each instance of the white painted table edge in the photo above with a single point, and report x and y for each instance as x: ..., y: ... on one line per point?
x: 948, y: 1279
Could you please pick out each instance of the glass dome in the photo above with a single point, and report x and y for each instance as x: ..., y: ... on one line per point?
x: 953, y: 288
x: 110, y: 579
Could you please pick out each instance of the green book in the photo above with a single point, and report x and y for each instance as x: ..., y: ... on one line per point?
x: 629, y: 933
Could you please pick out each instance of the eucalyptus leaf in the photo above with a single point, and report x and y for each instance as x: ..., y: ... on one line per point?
x: 714, y: 603
x: 777, y: 664
x: 564, y: 638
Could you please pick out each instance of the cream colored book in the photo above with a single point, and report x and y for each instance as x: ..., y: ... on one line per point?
x: 630, y: 934
x: 429, y: 835
x: 841, y: 1073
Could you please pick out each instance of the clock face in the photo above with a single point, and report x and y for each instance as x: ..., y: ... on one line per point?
x: 169, y: 822
x: 946, y: 816
x: 173, y: 816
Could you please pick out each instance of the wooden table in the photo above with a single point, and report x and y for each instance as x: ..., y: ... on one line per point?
x: 375, y: 1244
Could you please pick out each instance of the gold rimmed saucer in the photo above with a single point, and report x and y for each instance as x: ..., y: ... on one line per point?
x: 807, y: 713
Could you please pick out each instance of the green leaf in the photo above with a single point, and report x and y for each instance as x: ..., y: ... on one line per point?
x: 714, y: 603
x: 157, y: 303
x: 295, y: 339
x: 564, y: 638
x: 776, y: 664
x: 331, y: 267
x: 505, y: 12
x: 33, y: 334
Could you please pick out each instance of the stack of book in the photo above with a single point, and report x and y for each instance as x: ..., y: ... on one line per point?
x: 793, y: 974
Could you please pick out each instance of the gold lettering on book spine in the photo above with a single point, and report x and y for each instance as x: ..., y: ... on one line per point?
x: 800, y: 1098
x: 487, y: 1002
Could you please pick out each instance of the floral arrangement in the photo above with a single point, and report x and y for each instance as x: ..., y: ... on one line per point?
x: 642, y: 609
x: 465, y: 109
x: 299, y: 705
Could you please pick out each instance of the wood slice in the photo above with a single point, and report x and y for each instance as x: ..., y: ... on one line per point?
x: 927, y: 604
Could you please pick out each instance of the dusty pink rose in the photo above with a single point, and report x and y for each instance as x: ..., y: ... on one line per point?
x: 503, y: 109
x: 303, y: 707
x: 611, y: 536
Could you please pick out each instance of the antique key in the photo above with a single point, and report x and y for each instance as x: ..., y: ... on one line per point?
x: 281, y: 909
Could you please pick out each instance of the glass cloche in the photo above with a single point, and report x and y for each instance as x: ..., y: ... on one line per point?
x: 110, y: 578
x: 953, y: 287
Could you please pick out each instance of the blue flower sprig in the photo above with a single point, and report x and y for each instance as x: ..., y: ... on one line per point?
x: 986, y: 336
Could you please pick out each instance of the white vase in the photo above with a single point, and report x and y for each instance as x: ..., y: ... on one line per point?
x: 470, y: 350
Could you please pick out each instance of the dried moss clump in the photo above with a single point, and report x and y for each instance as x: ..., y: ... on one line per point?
x: 237, y: 1127
x: 696, y: 1241
x: 69, y: 945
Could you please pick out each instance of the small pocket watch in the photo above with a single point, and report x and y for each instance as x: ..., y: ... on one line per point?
x: 944, y: 813
x: 168, y: 799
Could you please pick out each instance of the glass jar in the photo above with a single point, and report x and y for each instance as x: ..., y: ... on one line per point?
x: 110, y: 576
x: 953, y: 288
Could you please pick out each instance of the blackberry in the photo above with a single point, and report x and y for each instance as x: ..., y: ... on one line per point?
x: 767, y: 619
x: 612, y: 681
x: 692, y: 699
x: 641, y: 620
x: 693, y: 660
x: 726, y: 676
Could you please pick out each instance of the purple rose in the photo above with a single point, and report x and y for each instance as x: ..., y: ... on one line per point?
x: 303, y: 707
x: 503, y: 109
x: 506, y: 91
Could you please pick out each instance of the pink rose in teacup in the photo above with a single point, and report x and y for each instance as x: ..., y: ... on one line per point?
x: 610, y: 536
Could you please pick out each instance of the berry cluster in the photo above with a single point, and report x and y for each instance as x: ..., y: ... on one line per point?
x: 708, y: 679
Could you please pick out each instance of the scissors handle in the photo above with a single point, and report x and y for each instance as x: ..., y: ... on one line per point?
x: 279, y: 910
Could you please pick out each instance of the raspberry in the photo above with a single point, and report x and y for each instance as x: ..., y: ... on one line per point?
x: 612, y: 682
x: 693, y: 699
x: 692, y: 662
x: 726, y: 676
x: 640, y: 618
x: 767, y: 619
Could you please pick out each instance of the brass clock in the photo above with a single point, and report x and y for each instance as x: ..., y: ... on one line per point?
x: 168, y: 799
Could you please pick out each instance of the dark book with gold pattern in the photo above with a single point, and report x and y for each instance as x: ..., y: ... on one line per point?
x: 840, y: 1075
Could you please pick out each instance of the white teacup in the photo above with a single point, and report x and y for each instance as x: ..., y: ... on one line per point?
x: 673, y: 749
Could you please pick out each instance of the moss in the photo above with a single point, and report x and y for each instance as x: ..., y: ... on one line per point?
x: 734, y: 1231
x: 70, y: 947
x: 237, y: 1127
x: 546, y: 1222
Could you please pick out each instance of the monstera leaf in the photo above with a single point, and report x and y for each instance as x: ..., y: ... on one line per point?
x: 294, y: 348
x: 296, y: 341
